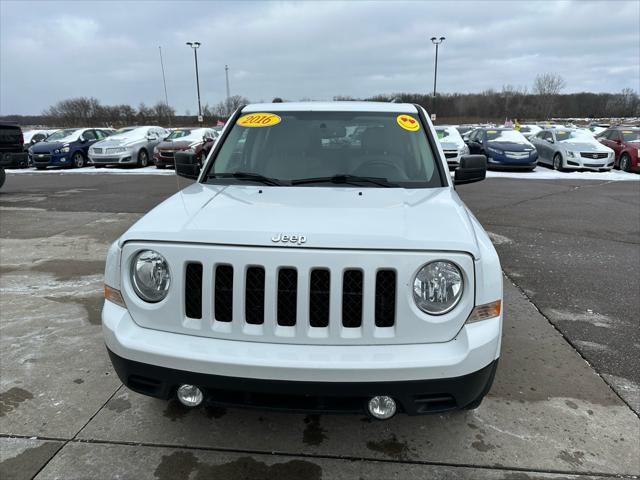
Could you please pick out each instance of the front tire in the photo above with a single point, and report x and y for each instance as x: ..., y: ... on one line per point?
x: 625, y: 163
x: 78, y: 160
x: 143, y: 158
x: 557, y: 162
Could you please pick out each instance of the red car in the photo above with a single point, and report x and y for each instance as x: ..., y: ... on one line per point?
x: 198, y: 140
x: 625, y: 142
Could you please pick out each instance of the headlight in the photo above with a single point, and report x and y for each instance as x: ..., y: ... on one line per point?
x: 64, y: 149
x: 464, y: 150
x: 190, y: 150
x: 570, y: 154
x: 638, y: 153
x: 438, y: 287
x: 155, y: 150
x: 495, y: 150
x: 150, y: 276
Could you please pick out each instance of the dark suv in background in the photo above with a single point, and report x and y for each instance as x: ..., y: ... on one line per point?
x: 12, y: 152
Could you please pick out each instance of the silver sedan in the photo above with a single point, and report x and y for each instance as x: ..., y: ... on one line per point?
x: 131, y: 146
x: 570, y: 148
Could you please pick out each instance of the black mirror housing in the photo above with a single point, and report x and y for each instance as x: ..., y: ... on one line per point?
x: 472, y: 168
x: 187, y: 165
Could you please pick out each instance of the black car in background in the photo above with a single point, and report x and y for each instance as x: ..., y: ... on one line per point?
x: 12, y: 152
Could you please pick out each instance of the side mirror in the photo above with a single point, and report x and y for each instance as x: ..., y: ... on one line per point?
x: 187, y: 165
x: 83, y: 140
x: 472, y: 168
x: 151, y: 136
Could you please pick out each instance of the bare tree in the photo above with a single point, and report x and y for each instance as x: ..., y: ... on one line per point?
x: 225, y: 108
x: 547, y: 86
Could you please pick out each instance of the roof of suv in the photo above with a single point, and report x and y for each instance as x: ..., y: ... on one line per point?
x: 331, y: 107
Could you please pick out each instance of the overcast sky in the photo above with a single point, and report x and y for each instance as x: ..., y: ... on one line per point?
x: 51, y: 50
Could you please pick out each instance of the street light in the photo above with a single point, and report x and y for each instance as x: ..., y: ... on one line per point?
x: 195, y: 46
x: 436, y: 42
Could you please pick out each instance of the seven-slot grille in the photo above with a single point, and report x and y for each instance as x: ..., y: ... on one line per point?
x: 287, y: 296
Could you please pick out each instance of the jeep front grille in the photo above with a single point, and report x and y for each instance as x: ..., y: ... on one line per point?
x: 223, y: 296
x: 319, y: 296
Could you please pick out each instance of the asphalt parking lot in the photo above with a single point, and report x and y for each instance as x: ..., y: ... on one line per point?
x: 564, y: 405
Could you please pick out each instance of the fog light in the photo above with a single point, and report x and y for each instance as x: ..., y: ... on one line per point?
x: 190, y: 395
x: 382, y: 407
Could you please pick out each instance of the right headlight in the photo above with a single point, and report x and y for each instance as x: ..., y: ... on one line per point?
x: 150, y: 276
x: 438, y: 287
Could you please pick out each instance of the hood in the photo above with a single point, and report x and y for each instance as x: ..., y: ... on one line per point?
x: 117, y: 142
x: 585, y: 146
x: 175, y: 144
x: 47, y: 147
x: 380, y: 218
x: 510, y: 146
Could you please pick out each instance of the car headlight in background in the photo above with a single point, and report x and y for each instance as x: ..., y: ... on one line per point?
x: 64, y: 149
x: 150, y: 276
x: 570, y: 154
x: 495, y: 150
x: 437, y: 287
x: 155, y: 150
x: 464, y: 150
x: 190, y: 150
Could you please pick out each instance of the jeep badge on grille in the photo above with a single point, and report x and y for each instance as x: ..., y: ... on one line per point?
x: 282, y: 238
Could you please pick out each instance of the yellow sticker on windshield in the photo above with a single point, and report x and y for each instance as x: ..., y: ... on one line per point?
x: 408, y: 122
x: 259, y: 120
x: 492, y: 131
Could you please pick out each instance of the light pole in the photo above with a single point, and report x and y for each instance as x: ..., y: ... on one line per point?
x: 436, y: 42
x: 195, y: 46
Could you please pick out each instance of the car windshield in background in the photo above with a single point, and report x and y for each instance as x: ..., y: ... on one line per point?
x: 175, y: 134
x: 130, y: 133
x: 574, y: 135
x: 194, y: 135
x: 449, y: 135
x: 368, y: 149
x: 631, y: 135
x: 442, y: 133
x: 505, y: 136
x: 122, y: 130
x: 61, y: 135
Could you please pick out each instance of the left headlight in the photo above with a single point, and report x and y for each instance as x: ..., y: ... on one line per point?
x: 437, y: 287
x: 64, y: 149
x: 150, y: 276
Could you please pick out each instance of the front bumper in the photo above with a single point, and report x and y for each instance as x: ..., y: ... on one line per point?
x: 163, y: 360
x: 122, y: 158
x: 163, y: 161
x: 589, y: 164
x: 51, y: 159
x: 14, y: 159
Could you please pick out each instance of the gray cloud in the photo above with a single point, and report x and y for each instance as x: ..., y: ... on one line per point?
x: 54, y: 50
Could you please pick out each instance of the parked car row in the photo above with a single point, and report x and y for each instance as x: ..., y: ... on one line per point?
x: 77, y: 147
x: 557, y: 146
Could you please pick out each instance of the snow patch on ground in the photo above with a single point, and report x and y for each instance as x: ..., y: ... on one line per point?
x: 96, y: 171
x: 541, y: 173
x: 499, y: 239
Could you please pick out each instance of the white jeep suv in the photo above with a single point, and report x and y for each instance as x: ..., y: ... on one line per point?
x: 309, y: 268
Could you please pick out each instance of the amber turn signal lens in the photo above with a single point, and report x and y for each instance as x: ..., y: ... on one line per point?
x: 483, y: 312
x: 114, y: 296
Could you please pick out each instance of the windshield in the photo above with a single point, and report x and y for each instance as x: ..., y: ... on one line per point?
x: 313, y: 145
x: 448, y: 135
x: 631, y: 135
x: 505, y: 136
x: 131, y: 132
x: 122, y: 130
x: 62, y: 135
x: 573, y: 135
x: 186, y: 134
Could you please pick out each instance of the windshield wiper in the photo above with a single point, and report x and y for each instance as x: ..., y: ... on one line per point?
x: 346, y: 179
x: 254, y: 177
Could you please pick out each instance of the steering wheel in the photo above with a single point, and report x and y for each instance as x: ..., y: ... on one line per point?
x: 369, y: 168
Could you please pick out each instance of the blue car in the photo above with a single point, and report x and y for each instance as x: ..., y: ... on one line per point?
x: 65, y: 148
x: 504, y: 148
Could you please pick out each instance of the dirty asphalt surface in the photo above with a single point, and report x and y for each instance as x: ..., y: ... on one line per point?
x: 570, y: 253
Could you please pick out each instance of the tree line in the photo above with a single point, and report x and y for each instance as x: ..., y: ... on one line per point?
x: 543, y: 102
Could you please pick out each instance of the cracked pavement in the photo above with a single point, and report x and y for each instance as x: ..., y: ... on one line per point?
x: 570, y: 255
